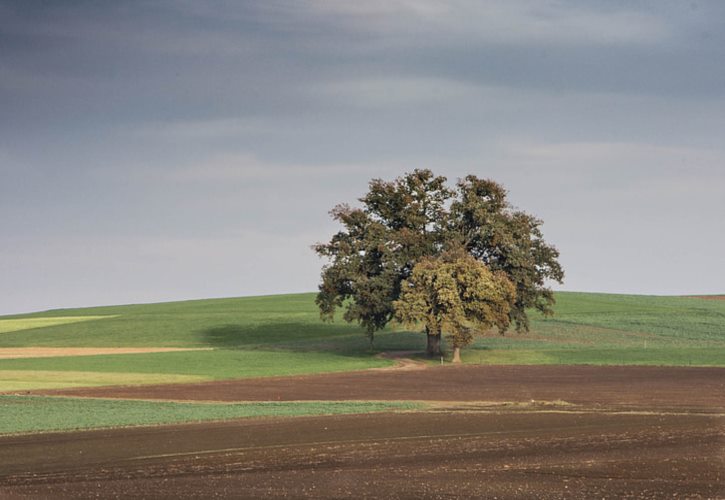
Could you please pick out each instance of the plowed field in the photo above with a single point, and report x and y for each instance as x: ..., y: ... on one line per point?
x: 417, y: 455
x: 632, y: 386
x: 591, y: 432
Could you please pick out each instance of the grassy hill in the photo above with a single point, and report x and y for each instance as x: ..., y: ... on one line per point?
x: 282, y: 335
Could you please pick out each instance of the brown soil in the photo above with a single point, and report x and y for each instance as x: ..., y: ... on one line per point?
x: 709, y: 297
x: 623, y: 386
x: 630, y: 432
x: 415, y: 455
x: 52, y: 352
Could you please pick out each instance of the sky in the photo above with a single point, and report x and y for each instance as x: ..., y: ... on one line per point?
x: 167, y: 150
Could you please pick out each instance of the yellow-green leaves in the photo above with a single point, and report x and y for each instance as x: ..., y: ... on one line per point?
x: 456, y: 295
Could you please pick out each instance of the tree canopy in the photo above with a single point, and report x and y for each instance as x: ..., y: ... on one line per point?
x: 401, y: 222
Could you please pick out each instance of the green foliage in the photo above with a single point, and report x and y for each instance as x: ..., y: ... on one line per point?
x: 457, y: 295
x: 401, y: 222
x: 22, y: 414
x: 507, y: 240
x: 417, y: 216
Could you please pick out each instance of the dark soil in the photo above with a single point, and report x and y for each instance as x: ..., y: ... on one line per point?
x: 628, y: 432
x: 627, y: 386
x: 417, y: 455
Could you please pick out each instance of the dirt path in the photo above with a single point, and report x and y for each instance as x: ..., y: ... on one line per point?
x: 628, y: 386
x: 52, y: 352
x: 417, y: 455
x: 402, y: 360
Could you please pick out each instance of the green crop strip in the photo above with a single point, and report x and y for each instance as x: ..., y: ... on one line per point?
x: 22, y: 414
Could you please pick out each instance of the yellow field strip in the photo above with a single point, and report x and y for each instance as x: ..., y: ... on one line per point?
x: 14, y: 325
x: 53, y: 352
x: 26, y: 380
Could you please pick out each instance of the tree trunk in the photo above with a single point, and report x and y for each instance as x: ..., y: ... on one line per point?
x: 456, y: 354
x: 433, y: 348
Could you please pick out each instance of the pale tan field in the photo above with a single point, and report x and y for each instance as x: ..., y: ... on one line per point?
x: 27, y: 380
x: 54, y: 352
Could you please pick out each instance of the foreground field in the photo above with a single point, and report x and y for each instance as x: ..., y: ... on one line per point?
x: 441, y: 454
x: 485, y: 431
x: 443, y: 431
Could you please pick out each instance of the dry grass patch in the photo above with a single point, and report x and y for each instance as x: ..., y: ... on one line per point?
x: 27, y: 380
x: 14, y: 325
x: 55, y: 352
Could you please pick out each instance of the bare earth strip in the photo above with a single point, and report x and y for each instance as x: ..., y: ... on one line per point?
x: 709, y: 297
x: 624, y: 386
x: 395, y: 455
x: 53, y: 352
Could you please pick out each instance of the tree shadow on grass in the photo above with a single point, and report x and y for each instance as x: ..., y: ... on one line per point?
x: 342, y: 339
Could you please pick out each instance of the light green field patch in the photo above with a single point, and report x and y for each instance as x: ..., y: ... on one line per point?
x: 25, y: 380
x: 14, y: 325
x: 698, y: 356
x: 38, y: 413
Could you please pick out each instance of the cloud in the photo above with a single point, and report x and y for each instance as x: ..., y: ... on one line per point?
x: 203, y: 128
x: 240, y: 168
x: 395, y: 91
x: 183, y: 131
x: 510, y: 22
x: 154, y: 268
x: 620, y: 162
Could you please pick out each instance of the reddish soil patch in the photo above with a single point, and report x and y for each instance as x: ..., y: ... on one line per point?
x: 709, y: 297
x: 633, y: 386
x: 420, y: 455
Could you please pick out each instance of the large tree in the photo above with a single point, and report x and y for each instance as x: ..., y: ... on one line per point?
x: 399, y: 223
x: 415, y: 216
x: 456, y: 295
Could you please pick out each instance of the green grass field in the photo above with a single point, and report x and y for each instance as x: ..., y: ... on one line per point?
x: 283, y: 335
x: 23, y: 414
x: 608, y: 329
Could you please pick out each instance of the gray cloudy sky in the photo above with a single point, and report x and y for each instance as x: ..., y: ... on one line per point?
x: 184, y: 149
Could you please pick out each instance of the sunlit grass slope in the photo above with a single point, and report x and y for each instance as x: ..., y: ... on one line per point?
x: 27, y: 380
x: 15, y: 325
x: 591, y: 328
x: 255, y: 336
x: 283, y: 335
x: 222, y: 323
